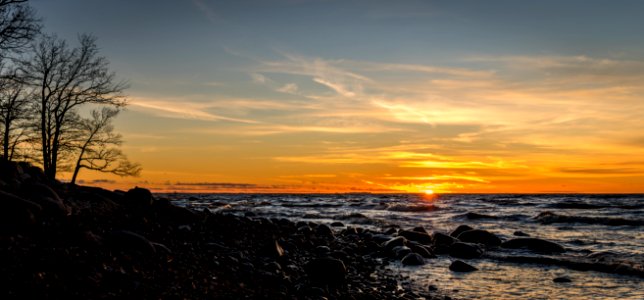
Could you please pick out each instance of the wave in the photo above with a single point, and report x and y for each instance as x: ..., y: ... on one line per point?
x: 550, y: 217
x: 412, y: 207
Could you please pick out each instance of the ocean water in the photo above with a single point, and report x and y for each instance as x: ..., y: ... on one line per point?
x: 593, y: 229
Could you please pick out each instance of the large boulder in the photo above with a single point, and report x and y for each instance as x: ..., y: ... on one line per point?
x: 533, y: 244
x: 465, y: 250
x: 326, y: 271
x: 480, y: 237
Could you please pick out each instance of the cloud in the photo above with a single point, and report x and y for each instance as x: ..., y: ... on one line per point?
x: 289, y: 88
x: 181, y: 109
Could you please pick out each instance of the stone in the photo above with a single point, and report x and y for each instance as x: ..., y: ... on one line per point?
x: 533, y: 244
x: 561, y: 279
x: 479, y: 236
x: 327, y: 271
x: 465, y: 250
x: 460, y: 229
x: 416, y: 236
x: 441, y: 239
x: 413, y: 259
x: 401, y: 251
x: 419, y: 229
x: 325, y: 231
x: 394, y: 242
x: 460, y: 266
x: 17, y: 214
x: 337, y: 224
x: 520, y: 233
x: 423, y: 250
x: 139, y: 197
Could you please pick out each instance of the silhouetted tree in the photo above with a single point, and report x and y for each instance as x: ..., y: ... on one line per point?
x: 64, y: 79
x: 13, y: 113
x: 98, y: 146
x: 18, y: 25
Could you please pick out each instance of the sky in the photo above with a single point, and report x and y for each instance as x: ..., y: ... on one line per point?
x: 372, y: 96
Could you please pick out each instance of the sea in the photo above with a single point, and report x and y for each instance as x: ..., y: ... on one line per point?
x: 592, y: 228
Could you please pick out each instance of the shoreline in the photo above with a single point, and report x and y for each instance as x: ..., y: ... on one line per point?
x: 63, y: 241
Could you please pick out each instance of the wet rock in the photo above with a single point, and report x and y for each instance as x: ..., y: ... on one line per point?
x: 520, y: 233
x: 460, y: 266
x: 561, y: 279
x: 276, y: 250
x: 441, y: 239
x: 394, y: 242
x: 420, y: 229
x: 400, y: 251
x: 533, y: 244
x: 337, y: 224
x: 327, y: 271
x: 465, y: 250
x: 480, y: 237
x: 460, y: 229
x: 322, y: 250
x: 413, y: 259
x: 423, y: 250
x: 416, y: 236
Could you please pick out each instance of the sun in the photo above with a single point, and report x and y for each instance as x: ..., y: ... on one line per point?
x: 429, y: 192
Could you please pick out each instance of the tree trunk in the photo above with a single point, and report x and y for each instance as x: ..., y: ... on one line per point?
x: 5, y: 143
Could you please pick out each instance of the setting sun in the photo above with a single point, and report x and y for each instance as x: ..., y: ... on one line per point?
x: 429, y: 192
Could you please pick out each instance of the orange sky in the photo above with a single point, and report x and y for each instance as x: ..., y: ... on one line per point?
x: 382, y: 96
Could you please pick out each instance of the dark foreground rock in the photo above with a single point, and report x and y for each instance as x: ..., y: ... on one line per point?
x: 460, y: 266
x: 59, y: 241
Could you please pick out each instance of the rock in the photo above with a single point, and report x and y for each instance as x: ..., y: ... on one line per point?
x: 561, y: 279
x: 480, y: 237
x: 413, y: 259
x: 139, y: 197
x: 460, y: 229
x: 424, y: 251
x: 337, y: 224
x: 325, y: 231
x: 131, y: 242
x: 533, y: 244
x: 416, y: 236
x: 322, y: 250
x: 47, y: 198
x: 465, y: 250
x: 420, y: 229
x: 460, y: 266
x: 328, y: 271
x: 520, y: 233
x: 441, y: 239
x: 17, y: 214
x: 394, y: 242
x: 400, y: 251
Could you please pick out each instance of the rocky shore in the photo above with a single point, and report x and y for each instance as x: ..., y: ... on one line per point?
x: 67, y: 242
x: 63, y: 241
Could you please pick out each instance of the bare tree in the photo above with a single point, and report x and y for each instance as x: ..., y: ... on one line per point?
x: 63, y: 80
x: 98, y: 149
x: 13, y: 113
x: 18, y: 25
